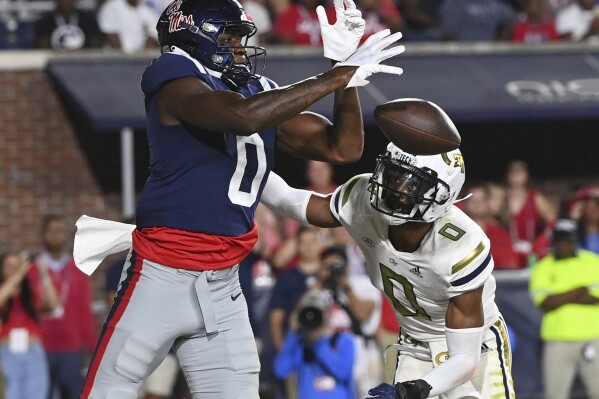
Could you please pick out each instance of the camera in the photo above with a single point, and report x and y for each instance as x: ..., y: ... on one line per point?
x: 336, y: 271
x: 312, y: 309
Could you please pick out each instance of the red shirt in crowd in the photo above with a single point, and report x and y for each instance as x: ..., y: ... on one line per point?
x: 72, y: 325
x: 375, y: 20
x: 533, y: 33
x: 300, y: 25
x: 18, y: 317
x: 388, y: 320
x: 503, y: 254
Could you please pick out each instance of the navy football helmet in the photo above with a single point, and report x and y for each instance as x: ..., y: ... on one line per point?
x: 195, y: 26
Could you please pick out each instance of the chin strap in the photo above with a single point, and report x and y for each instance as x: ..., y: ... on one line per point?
x: 462, y: 199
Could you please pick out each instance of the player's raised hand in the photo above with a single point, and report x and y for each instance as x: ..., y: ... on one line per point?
x: 341, y: 39
x: 369, y: 56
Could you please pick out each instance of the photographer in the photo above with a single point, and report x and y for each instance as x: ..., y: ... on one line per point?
x: 323, y: 360
x: 357, y: 308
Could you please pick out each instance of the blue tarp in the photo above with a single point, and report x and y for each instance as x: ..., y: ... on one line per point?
x: 470, y: 86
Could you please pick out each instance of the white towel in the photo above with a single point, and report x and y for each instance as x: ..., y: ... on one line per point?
x: 95, y: 239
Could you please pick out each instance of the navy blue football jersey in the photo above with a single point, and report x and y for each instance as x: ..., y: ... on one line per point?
x: 201, y: 181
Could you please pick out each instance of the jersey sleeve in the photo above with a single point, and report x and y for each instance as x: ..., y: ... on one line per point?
x: 166, y: 68
x: 472, y: 268
x: 268, y: 84
x: 340, y: 201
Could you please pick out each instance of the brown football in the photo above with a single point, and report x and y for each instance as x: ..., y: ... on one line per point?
x: 417, y: 126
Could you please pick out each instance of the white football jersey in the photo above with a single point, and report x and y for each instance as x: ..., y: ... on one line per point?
x: 454, y: 258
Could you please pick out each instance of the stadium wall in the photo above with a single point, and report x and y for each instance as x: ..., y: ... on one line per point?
x: 42, y: 168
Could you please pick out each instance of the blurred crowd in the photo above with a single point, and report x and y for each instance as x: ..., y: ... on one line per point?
x: 129, y: 25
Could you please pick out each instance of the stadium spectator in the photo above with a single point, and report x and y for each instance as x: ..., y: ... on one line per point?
x: 535, y: 27
x: 379, y: 15
x: 356, y: 308
x: 422, y: 21
x: 553, y: 6
x: 292, y: 283
x: 259, y: 14
x: 496, y: 202
x: 356, y: 263
x: 299, y: 25
x: 70, y: 330
x: 578, y: 21
x: 25, y: 292
x: 529, y: 213
x: 565, y: 285
x: 322, y: 359
x: 67, y: 28
x: 573, y: 205
x: 501, y: 245
x: 588, y: 224
x: 476, y: 20
x: 129, y: 25
x: 278, y: 6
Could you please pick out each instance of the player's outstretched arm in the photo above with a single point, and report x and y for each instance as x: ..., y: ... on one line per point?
x: 192, y: 101
x: 302, y: 205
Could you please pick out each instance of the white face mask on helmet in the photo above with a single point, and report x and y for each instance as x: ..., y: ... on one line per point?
x: 406, y: 187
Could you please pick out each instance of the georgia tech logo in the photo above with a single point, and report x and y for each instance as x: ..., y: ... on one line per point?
x: 458, y: 160
x: 441, y: 357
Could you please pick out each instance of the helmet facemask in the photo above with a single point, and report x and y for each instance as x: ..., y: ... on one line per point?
x: 404, y: 192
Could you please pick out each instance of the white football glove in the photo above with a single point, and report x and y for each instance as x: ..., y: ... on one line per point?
x: 342, y: 39
x: 370, y: 54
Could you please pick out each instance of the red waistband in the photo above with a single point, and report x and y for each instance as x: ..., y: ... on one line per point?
x: 193, y: 251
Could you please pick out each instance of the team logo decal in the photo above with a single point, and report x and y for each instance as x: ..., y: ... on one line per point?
x: 175, y: 17
x: 484, y: 348
x: 458, y: 160
x: 441, y: 357
x: 175, y: 20
x: 368, y: 241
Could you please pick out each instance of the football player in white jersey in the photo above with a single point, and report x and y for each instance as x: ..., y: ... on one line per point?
x: 431, y: 260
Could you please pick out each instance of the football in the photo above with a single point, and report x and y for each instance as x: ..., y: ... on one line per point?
x: 417, y: 126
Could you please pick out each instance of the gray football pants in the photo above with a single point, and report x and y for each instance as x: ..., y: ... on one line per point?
x: 203, y: 314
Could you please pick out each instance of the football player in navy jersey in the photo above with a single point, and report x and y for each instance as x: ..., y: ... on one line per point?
x: 213, y: 123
